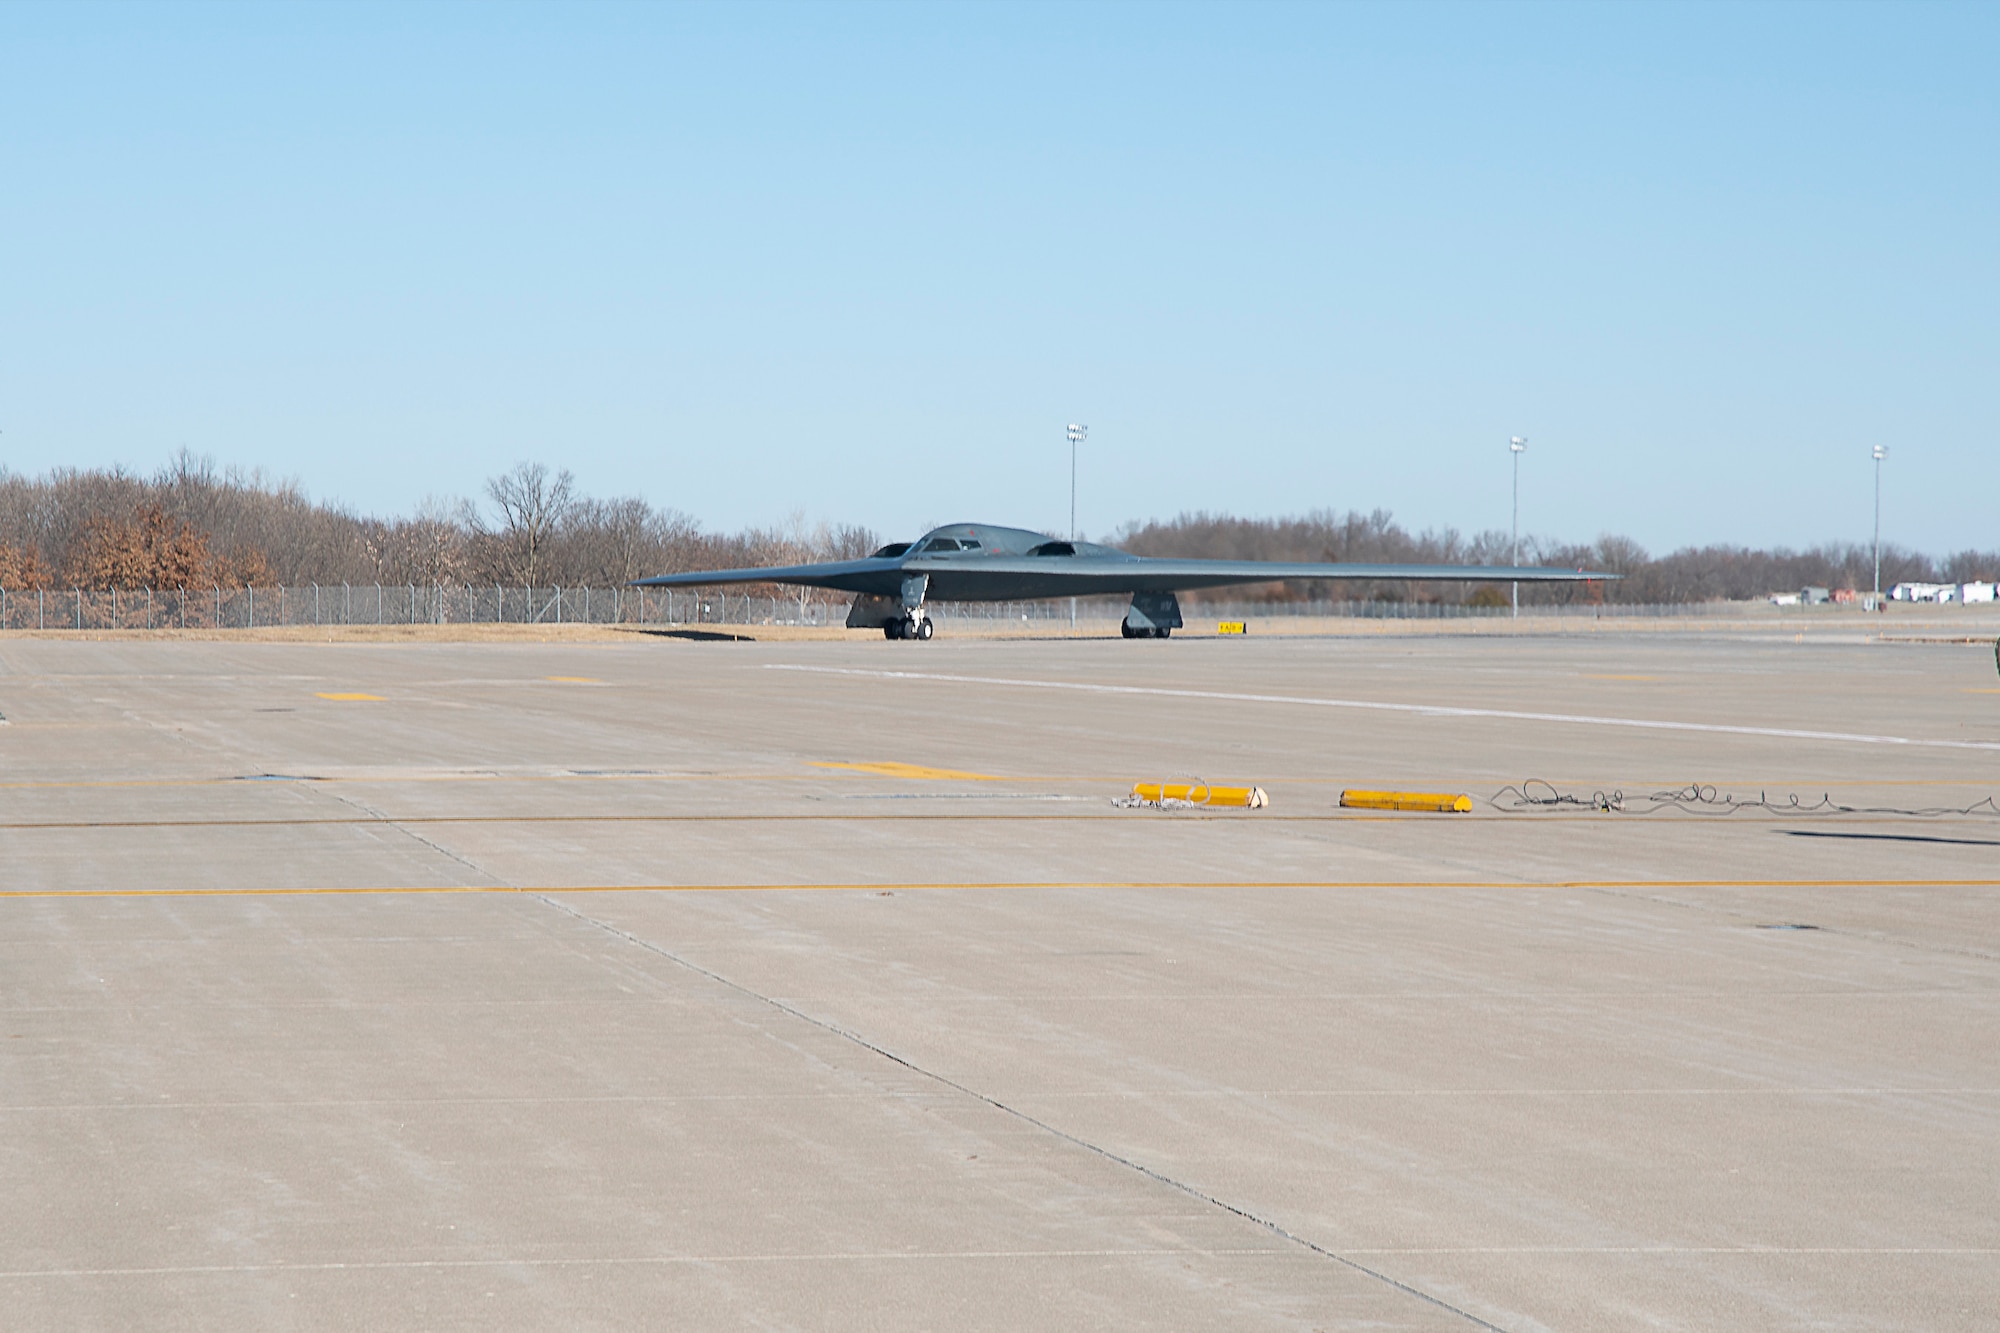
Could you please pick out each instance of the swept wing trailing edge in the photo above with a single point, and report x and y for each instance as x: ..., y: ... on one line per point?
x: 974, y: 562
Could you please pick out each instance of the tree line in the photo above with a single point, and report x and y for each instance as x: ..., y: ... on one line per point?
x: 192, y: 525
x: 1690, y: 574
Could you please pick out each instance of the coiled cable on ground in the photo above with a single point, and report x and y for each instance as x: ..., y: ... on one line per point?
x: 1537, y: 796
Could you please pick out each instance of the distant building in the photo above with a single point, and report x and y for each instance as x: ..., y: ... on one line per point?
x: 1784, y: 599
x: 1924, y: 592
x: 1814, y: 596
x: 1978, y: 592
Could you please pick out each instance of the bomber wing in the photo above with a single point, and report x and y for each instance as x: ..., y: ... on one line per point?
x: 870, y: 575
x: 1084, y: 574
x: 978, y: 577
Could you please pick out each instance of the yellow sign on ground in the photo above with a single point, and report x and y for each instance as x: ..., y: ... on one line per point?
x: 1233, y: 627
x: 1200, y: 793
x: 1442, y: 803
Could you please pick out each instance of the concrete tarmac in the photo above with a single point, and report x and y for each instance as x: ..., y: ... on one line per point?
x: 823, y: 985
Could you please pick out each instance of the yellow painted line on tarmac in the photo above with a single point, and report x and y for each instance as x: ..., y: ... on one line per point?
x: 1198, y: 815
x: 1106, y: 780
x: 808, y: 817
x: 915, y: 771
x: 259, y: 780
x: 1021, y: 884
x: 1588, y: 675
x: 353, y: 698
x: 575, y: 680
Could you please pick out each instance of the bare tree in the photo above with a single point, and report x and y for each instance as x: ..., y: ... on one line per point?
x: 429, y: 548
x: 533, y: 507
x: 614, y: 541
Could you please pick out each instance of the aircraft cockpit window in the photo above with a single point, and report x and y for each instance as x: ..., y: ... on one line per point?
x: 941, y: 544
x: 970, y: 544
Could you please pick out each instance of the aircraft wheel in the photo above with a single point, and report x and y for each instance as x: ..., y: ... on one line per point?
x: 924, y: 628
x: 1163, y: 631
x: 892, y: 629
x: 1125, y: 628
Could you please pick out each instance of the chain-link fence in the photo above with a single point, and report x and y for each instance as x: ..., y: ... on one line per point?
x: 1378, y: 609
x: 407, y: 604
x: 438, y: 604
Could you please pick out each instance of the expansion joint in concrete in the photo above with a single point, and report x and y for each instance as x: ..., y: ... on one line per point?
x: 381, y: 817
x: 1158, y: 1177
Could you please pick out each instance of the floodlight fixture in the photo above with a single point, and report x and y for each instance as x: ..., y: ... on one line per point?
x: 1878, y: 453
x: 1517, y: 445
x: 1077, y: 433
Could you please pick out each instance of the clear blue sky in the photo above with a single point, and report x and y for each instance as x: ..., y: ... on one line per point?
x: 867, y: 261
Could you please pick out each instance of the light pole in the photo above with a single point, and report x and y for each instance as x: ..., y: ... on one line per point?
x: 1077, y: 435
x: 1517, y: 445
x: 1880, y: 452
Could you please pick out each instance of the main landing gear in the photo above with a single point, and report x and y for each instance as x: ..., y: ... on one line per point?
x: 1154, y: 615
x: 909, y: 627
